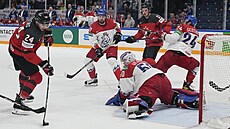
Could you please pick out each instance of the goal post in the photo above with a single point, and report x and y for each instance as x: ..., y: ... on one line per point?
x: 214, y: 108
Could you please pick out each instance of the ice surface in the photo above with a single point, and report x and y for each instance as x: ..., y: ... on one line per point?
x: 71, y: 105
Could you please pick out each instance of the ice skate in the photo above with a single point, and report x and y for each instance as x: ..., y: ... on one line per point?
x: 18, y: 107
x: 188, y: 86
x: 29, y: 99
x: 91, y: 82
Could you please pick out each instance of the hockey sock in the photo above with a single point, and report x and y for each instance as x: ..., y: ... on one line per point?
x: 115, y: 66
x: 30, y: 84
x: 90, y: 68
x: 117, y: 73
x: 92, y: 73
x: 22, y: 78
x: 190, y: 76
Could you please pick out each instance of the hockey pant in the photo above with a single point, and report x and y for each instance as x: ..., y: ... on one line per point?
x: 171, y: 58
x: 156, y: 87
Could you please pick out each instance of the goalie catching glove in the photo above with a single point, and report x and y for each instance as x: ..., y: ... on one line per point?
x: 116, y: 100
x: 117, y: 37
x: 47, y: 68
x: 48, y: 39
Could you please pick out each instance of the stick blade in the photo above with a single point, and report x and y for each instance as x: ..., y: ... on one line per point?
x: 39, y: 110
x: 68, y: 76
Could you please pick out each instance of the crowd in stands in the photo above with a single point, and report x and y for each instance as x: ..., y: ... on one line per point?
x: 76, y: 15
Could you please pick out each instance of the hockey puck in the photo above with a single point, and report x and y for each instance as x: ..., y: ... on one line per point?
x: 45, y: 123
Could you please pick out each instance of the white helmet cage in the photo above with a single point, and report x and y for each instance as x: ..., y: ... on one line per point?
x: 127, y: 57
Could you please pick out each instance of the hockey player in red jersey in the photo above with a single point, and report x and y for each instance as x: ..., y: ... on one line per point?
x: 23, y: 44
x: 104, y: 34
x: 150, y: 25
x: 141, y: 85
x: 179, y: 50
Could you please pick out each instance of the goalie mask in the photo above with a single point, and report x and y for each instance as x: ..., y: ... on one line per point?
x: 127, y: 57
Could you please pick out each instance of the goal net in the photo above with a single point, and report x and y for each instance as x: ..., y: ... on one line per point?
x: 215, y: 81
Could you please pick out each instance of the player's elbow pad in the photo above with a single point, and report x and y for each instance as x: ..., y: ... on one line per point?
x: 172, y: 38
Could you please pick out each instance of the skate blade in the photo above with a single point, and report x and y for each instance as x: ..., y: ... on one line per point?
x: 91, y: 85
x: 20, y: 112
x: 27, y: 101
x: 135, y: 116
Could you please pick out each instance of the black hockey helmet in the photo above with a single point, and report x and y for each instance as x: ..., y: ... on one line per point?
x: 145, y: 6
x: 42, y: 17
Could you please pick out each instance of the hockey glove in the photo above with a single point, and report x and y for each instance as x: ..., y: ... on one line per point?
x: 48, y: 39
x: 116, y: 100
x: 130, y: 39
x: 47, y: 68
x: 99, y: 52
x: 117, y: 37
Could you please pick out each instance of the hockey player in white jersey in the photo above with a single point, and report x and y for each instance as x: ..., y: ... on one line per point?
x: 141, y: 85
x: 104, y: 34
x: 179, y: 50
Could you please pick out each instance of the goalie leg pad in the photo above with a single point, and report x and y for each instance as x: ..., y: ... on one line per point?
x: 186, y: 99
x: 136, y: 108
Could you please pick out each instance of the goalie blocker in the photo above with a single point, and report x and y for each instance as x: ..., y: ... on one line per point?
x: 149, y: 84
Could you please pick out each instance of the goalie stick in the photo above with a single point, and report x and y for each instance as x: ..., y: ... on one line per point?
x: 216, y: 87
x: 38, y: 111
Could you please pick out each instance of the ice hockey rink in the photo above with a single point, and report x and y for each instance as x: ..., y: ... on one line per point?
x: 71, y: 105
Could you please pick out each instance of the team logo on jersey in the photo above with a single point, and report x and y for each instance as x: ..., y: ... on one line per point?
x: 105, y: 40
x: 122, y: 74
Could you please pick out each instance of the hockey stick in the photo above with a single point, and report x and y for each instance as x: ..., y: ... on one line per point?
x: 141, y: 39
x: 153, y: 32
x: 38, y: 111
x: 47, y: 90
x: 70, y: 76
x: 213, y: 85
x: 147, y: 39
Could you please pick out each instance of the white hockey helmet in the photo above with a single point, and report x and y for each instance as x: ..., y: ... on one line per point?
x: 127, y: 57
